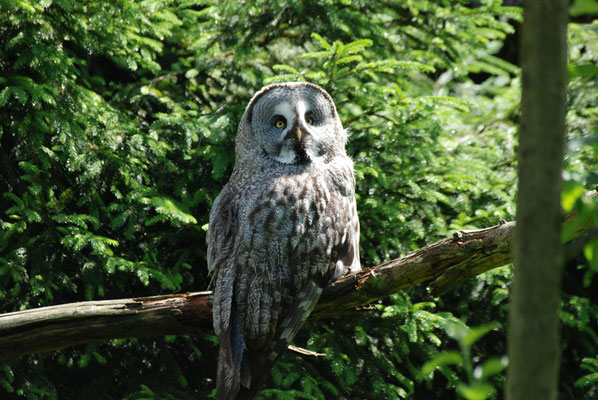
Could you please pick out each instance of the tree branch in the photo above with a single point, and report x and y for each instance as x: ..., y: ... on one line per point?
x: 442, y: 265
x: 54, y: 327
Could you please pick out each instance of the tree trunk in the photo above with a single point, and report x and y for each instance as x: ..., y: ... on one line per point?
x: 533, y: 332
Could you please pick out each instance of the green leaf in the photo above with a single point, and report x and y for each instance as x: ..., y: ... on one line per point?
x: 357, y: 46
x: 583, y: 7
x: 577, y: 71
x: 173, y: 210
x: 321, y: 41
x: 4, y: 96
x: 490, y: 367
x: 590, y: 251
x: 570, y: 194
x: 475, y: 391
x: 588, y: 380
x: 457, y: 330
x: 478, y: 332
x: 441, y: 359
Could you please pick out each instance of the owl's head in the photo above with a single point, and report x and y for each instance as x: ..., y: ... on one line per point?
x: 291, y: 124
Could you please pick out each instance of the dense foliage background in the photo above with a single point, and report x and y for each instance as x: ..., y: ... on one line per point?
x: 117, y: 125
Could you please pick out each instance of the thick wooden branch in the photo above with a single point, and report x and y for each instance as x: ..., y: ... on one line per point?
x: 441, y: 265
x: 55, y: 327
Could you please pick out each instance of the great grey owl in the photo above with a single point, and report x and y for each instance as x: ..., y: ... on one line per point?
x: 283, y: 227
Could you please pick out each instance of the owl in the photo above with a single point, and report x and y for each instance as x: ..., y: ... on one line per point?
x: 283, y: 227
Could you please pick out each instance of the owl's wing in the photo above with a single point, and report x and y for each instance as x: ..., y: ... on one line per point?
x: 348, y: 249
x: 222, y: 267
x: 222, y: 226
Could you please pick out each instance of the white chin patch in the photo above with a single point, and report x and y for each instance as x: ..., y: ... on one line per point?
x: 287, y: 155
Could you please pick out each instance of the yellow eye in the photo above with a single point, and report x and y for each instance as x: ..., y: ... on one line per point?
x: 280, y: 124
x: 310, y: 121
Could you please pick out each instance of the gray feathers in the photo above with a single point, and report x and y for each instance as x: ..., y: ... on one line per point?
x: 282, y: 228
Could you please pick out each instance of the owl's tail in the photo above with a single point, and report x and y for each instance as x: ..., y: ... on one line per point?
x: 232, y: 369
x: 257, y: 364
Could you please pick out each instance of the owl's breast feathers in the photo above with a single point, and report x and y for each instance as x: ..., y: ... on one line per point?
x: 275, y: 241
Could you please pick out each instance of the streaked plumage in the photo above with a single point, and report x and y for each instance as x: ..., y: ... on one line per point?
x: 283, y: 227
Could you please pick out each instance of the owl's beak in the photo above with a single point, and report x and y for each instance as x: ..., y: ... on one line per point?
x: 297, y: 132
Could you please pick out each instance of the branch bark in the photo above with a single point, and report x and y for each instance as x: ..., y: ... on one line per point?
x: 441, y: 265
x: 55, y: 327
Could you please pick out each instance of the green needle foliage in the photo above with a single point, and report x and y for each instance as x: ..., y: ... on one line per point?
x: 117, y: 126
